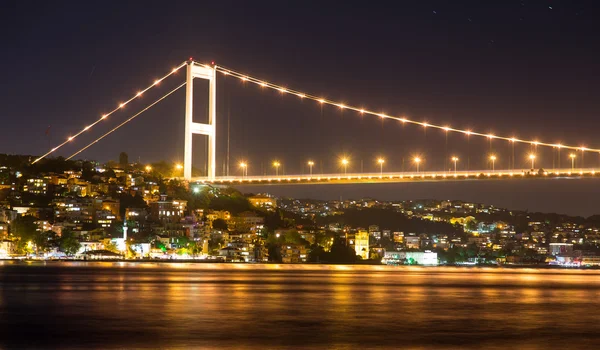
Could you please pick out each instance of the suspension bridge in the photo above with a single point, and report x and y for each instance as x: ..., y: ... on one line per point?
x: 454, y: 169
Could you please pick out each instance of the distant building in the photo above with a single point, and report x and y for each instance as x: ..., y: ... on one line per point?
x: 105, y: 218
x: 293, y: 253
x: 263, y: 201
x: 168, y: 210
x: 247, y: 221
x: 412, y: 242
x: 361, y: 244
x: 113, y: 206
x: 561, y: 248
x: 398, y: 237
x: 411, y: 258
x: 36, y: 186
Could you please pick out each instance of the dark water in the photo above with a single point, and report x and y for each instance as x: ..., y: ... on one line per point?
x: 182, y: 306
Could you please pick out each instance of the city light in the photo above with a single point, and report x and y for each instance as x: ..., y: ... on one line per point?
x: 572, y: 156
x: 178, y: 166
x: 276, y: 165
x: 148, y: 168
x: 310, y: 166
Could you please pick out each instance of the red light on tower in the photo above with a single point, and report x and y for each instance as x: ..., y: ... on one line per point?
x: 212, y: 62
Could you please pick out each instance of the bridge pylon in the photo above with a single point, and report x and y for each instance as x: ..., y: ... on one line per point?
x: 195, y: 70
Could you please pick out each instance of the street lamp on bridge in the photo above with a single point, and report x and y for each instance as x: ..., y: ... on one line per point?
x: 310, y: 166
x: 455, y: 159
x: 417, y: 161
x: 345, y: 164
x: 276, y: 164
x: 493, y: 159
x: 532, y: 157
x: 381, y: 161
x: 244, y: 167
x: 572, y: 156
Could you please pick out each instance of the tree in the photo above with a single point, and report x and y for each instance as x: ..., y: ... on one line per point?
x: 471, y: 225
x: 316, y: 254
x: 294, y: 237
x: 44, y: 241
x: 123, y: 159
x: 220, y: 224
x: 68, y: 243
x: 340, y: 253
x: 24, y: 229
x: 111, y: 246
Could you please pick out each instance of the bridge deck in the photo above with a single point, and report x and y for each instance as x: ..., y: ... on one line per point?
x: 401, y: 176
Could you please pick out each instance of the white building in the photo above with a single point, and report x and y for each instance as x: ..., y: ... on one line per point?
x: 427, y: 257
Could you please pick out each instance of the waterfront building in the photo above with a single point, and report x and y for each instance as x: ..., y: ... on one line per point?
x: 361, y: 244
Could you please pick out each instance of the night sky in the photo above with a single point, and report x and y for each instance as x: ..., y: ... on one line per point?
x: 523, y: 68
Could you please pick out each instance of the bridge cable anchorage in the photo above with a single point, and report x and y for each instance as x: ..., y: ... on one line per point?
x: 126, y: 121
x: 341, y: 105
x: 104, y: 116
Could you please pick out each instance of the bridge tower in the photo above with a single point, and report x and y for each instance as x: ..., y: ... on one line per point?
x: 209, y: 73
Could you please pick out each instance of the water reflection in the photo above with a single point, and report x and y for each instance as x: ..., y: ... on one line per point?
x: 150, y: 305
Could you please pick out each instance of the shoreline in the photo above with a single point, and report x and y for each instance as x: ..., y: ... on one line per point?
x: 306, y: 266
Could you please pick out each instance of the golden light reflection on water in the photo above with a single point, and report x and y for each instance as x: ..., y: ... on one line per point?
x: 304, y: 306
